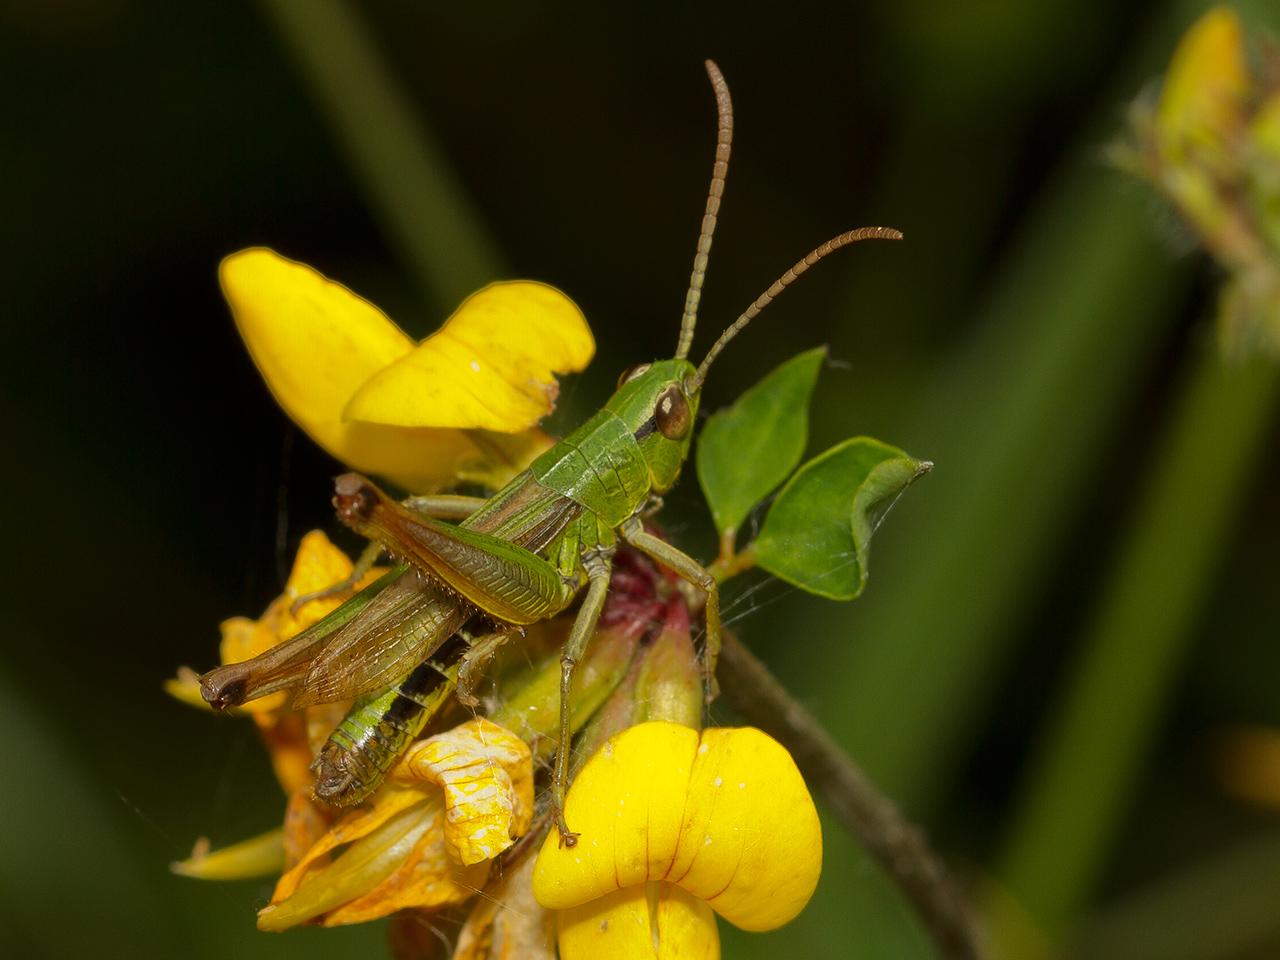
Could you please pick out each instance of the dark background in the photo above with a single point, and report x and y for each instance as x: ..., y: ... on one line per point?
x: 1032, y: 336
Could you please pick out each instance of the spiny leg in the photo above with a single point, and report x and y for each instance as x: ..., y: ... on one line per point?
x: 691, y: 571
x: 364, y: 563
x: 476, y: 659
x: 597, y: 566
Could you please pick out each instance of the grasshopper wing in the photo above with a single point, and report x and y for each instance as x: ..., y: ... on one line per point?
x: 286, y: 664
x: 399, y: 629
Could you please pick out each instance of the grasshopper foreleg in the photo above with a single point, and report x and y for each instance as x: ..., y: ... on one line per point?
x: 597, y: 566
x: 691, y: 571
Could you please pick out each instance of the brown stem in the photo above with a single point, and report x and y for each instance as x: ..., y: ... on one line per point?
x: 894, y: 843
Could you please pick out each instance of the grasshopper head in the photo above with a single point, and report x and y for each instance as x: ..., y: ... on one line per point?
x: 658, y: 402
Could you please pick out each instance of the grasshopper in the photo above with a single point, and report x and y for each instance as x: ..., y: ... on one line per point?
x: 521, y: 556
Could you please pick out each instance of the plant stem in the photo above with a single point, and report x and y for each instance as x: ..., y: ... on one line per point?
x: 731, y: 562
x: 894, y: 843
x: 1110, y: 708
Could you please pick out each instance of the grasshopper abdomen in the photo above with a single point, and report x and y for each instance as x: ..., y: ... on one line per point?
x: 369, y: 741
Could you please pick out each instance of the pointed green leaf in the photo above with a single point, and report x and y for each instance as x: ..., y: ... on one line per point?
x: 747, y: 449
x: 818, y: 531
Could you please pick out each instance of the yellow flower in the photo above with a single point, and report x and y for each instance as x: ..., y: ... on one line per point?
x: 677, y: 824
x: 1202, y: 103
x: 461, y: 405
x: 452, y: 804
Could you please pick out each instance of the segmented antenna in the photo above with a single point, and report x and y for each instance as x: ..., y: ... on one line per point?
x: 784, y: 281
x: 724, y: 139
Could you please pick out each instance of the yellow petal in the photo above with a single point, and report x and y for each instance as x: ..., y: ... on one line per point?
x: 1203, y: 98
x: 427, y: 877
x: 724, y: 814
x: 372, y: 863
x: 1265, y: 131
x: 655, y: 921
x: 491, y: 366
x: 256, y: 857
x: 486, y: 773
x: 628, y: 804
x: 751, y: 843
x: 315, y: 342
x: 185, y: 687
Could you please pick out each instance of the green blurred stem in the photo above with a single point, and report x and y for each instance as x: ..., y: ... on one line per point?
x: 401, y: 170
x: 893, y: 842
x: 1221, y: 907
x: 1078, y: 792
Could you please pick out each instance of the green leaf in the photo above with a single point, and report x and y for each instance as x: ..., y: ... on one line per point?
x: 818, y: 531
x: 749, y: 448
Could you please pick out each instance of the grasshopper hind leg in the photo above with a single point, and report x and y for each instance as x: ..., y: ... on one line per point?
x: 597, y: 566
x: 441, y: 507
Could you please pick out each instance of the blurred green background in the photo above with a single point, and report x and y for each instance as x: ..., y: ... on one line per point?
x: 1060, y: 620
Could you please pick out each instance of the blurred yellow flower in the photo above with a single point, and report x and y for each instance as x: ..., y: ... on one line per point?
x: 452, y: 804
x: 1212, y: 144
x: 1202, y: 101
x: 677, y: 824
x: 461, y: 405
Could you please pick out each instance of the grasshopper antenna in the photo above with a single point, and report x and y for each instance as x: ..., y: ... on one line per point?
x: 784, y: 281
x: 724, y: 139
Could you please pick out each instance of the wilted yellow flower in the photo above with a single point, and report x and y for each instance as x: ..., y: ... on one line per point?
x: 461, y: 405
x: 454, y: 802
x: 677, y: 824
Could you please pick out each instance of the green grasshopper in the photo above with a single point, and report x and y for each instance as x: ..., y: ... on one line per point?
x: 517, y: 558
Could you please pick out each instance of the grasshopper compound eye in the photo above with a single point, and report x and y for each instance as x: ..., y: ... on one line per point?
x: 672, y: 413
x: 632, y: 372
